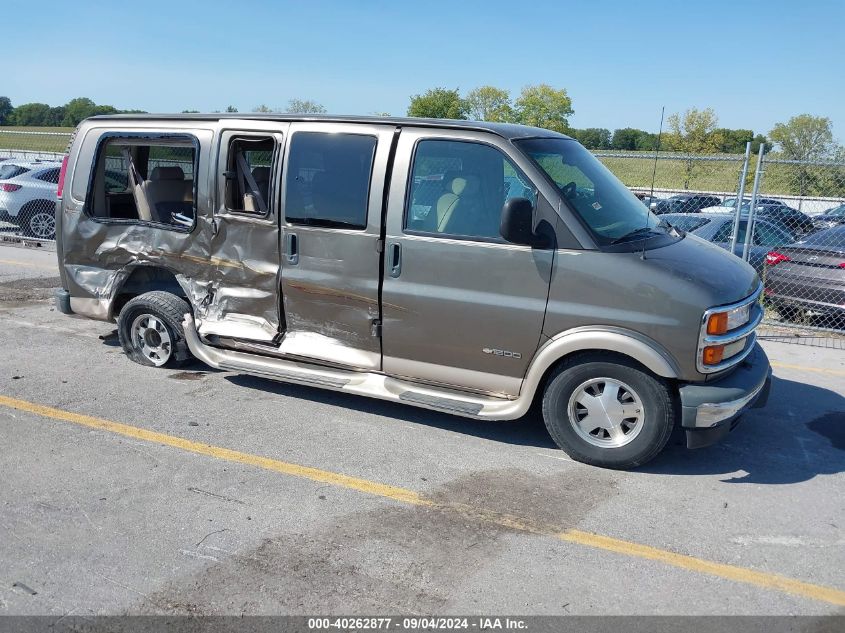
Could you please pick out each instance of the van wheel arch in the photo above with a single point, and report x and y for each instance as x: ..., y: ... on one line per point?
x: 603, y: 354
x: 146, y: 278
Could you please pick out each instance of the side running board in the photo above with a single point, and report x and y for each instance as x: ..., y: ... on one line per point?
x: 369, y: 384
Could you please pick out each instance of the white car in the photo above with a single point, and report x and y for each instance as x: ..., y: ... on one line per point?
x: 28, y: 196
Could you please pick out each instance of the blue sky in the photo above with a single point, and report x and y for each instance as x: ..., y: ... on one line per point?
x: 755, y: 63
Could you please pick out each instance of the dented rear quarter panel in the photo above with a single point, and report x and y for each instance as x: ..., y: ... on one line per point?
x: 225, y: 265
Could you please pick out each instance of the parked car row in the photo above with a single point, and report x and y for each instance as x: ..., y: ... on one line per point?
x: 831, y: 217
x: 28, y: 196
x: 808, y: 277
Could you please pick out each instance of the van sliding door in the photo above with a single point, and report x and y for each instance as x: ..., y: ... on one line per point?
x: 242, y: 300
x: 331, y: 227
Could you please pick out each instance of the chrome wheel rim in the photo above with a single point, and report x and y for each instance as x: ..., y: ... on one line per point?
x: 43, y: 225
x: 606, y: 412
x: 151, y: 338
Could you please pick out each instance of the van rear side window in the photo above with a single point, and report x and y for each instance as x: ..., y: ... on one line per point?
x: 248, y: 166
x: 146, y: 181
x: 328, y: 179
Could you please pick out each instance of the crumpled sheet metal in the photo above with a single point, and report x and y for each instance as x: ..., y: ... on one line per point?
x: 230, y: 275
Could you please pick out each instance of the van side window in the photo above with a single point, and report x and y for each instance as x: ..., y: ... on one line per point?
x: 328, y: 179
x: 458, y: 189
x: 248, y: 164
x: 145, y: 181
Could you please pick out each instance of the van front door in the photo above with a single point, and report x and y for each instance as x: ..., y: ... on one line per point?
x: 461, y: 306
x: 242, y: 300
x: 331, y: 229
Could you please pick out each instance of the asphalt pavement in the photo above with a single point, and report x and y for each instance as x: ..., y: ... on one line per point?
x: 137, y: 490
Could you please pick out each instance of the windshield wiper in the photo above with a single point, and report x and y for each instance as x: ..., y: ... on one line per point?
x: 642, y: 231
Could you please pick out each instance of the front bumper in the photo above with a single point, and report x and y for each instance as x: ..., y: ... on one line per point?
x: 708, y: 410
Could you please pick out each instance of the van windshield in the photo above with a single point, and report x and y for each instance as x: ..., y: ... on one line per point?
x: 604, y: 204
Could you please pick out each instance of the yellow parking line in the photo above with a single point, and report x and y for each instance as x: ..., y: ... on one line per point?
x: 820, y: 370
x: 402, y: 495
x: 13, y: 262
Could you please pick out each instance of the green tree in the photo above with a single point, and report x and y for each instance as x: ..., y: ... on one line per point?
x: 592, y: 137
x: 626, y: 138
x: 758, y: 140
x: 6, y: 110
x: 305, y: 106
x: 263, y: 108
x: 544, y: 106
x: 56, y: 116
x: 31, y: 114
x: 694, y: 132
x: 733, y: 141
x: 438, y: 103
x: 81, y: 108
x: 488, y: 103
x: 190, y: 111
x: 231, y: 109
x: 646, y: 141
x: 804, y: 137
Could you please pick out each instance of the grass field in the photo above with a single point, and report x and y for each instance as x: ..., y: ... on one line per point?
x: 47, y: 141
x: 702, y: 175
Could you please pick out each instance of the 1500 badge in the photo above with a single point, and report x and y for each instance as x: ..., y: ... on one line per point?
x: 501, y: 352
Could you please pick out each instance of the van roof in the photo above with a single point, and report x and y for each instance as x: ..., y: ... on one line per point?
x: 506, y: 130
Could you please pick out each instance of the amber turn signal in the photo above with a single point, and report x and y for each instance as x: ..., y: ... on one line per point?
x: 717, y: 323
x: 712, y: 355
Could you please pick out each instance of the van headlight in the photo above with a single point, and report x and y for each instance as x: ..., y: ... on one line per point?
x: 722, y: 322
x: 727, y: 334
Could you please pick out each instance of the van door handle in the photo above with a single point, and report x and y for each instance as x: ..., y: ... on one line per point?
x: 395, y: 259
x: 292, y: 248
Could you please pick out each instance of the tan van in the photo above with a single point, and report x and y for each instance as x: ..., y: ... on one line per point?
x: 462, y: 267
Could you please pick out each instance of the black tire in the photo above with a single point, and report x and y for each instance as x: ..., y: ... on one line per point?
x: 657, y: 411
x: 169, y: 311
x: 38, y: 219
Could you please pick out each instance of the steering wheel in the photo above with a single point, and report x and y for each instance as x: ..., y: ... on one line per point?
x: 569, y: 190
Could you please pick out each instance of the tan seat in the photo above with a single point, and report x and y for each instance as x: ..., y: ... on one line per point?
x: 461, y: 192
x: 167, y: 192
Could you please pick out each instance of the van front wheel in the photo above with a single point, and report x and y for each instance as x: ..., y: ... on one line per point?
x: 150, y: 329
x: 606, y: 411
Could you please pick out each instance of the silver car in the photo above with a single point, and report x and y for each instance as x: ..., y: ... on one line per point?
x: 28, y: 196
x: 457, y: 266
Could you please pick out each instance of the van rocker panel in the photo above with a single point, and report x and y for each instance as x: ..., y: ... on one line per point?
x: 378, y: 385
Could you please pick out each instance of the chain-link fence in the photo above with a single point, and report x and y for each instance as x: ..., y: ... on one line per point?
x: 796, y: 214
x: 804, y: 270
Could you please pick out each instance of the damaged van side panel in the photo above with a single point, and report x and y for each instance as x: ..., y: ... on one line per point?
x: 225, y: 268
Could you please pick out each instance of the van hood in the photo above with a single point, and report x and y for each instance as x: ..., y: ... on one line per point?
x: 725, y: 277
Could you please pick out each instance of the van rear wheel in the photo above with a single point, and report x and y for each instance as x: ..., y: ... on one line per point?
x: 607, y: 411
x: 150, y: 329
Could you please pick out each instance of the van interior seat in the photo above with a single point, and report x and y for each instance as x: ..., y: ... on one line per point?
x: 462, y: 192
x: 262, y: 179
x: 168, y: 192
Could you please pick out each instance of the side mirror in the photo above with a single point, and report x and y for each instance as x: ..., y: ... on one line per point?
x: 516, y: 223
